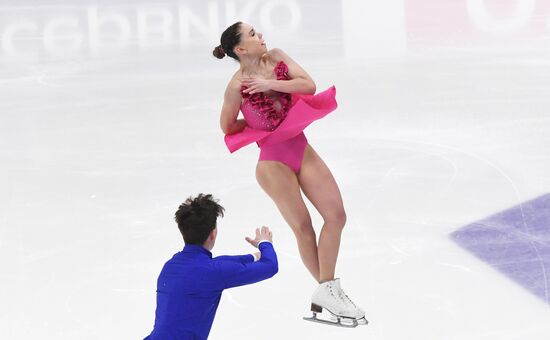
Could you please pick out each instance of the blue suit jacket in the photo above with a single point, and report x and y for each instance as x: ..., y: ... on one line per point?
x: 190, y: 286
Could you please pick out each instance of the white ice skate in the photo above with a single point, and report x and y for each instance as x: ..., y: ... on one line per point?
x: 343, y: 312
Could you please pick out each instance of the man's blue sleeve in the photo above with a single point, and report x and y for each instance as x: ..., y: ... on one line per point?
x: 236, y: 258
x: 236, y: 274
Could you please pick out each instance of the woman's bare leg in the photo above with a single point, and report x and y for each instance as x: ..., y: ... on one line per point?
x: 281, y: 184
x: 321, y: 189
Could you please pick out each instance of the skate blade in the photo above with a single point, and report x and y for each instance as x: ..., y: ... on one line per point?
x: 362, y: 321
x: 337, y: 323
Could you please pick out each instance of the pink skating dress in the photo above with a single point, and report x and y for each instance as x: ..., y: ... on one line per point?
x: 279, y: 133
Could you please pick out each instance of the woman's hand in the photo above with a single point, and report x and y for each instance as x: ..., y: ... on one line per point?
x: 255, y: 84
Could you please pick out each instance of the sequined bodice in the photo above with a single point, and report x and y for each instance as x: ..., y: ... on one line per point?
x: 259, y: 109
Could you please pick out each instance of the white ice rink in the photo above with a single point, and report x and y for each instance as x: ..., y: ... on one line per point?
x: 109, y: 119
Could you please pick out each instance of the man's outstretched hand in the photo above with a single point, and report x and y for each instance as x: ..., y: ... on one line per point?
x: 261, y: 234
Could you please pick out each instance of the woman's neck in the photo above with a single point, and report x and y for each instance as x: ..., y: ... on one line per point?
x: 253, y: 65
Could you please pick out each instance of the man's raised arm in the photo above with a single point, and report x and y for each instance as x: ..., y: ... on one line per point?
x: 242, y: 270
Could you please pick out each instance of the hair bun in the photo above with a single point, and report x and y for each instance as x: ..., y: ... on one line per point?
x: 219, y: 52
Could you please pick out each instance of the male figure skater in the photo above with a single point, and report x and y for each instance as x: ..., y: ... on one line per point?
x: 190, y: 284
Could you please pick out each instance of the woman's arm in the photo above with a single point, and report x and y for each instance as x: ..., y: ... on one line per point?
x: 301, y: 82
x: 230, y: 109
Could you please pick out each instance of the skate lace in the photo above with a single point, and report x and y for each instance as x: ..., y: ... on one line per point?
x: 345, y: 297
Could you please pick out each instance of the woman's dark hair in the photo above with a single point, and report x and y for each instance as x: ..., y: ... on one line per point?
x: 196, y: 218
x: 230, y: 38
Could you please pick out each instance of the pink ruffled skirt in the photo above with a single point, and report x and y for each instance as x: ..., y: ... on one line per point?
x: 287, y: 142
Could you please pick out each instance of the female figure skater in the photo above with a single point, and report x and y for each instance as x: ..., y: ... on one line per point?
x: 276, y: 98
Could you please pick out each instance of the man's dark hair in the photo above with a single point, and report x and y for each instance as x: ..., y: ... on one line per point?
x: 196, y: 218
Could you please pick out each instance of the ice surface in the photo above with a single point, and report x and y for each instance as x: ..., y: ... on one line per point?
x: 109, y: 118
